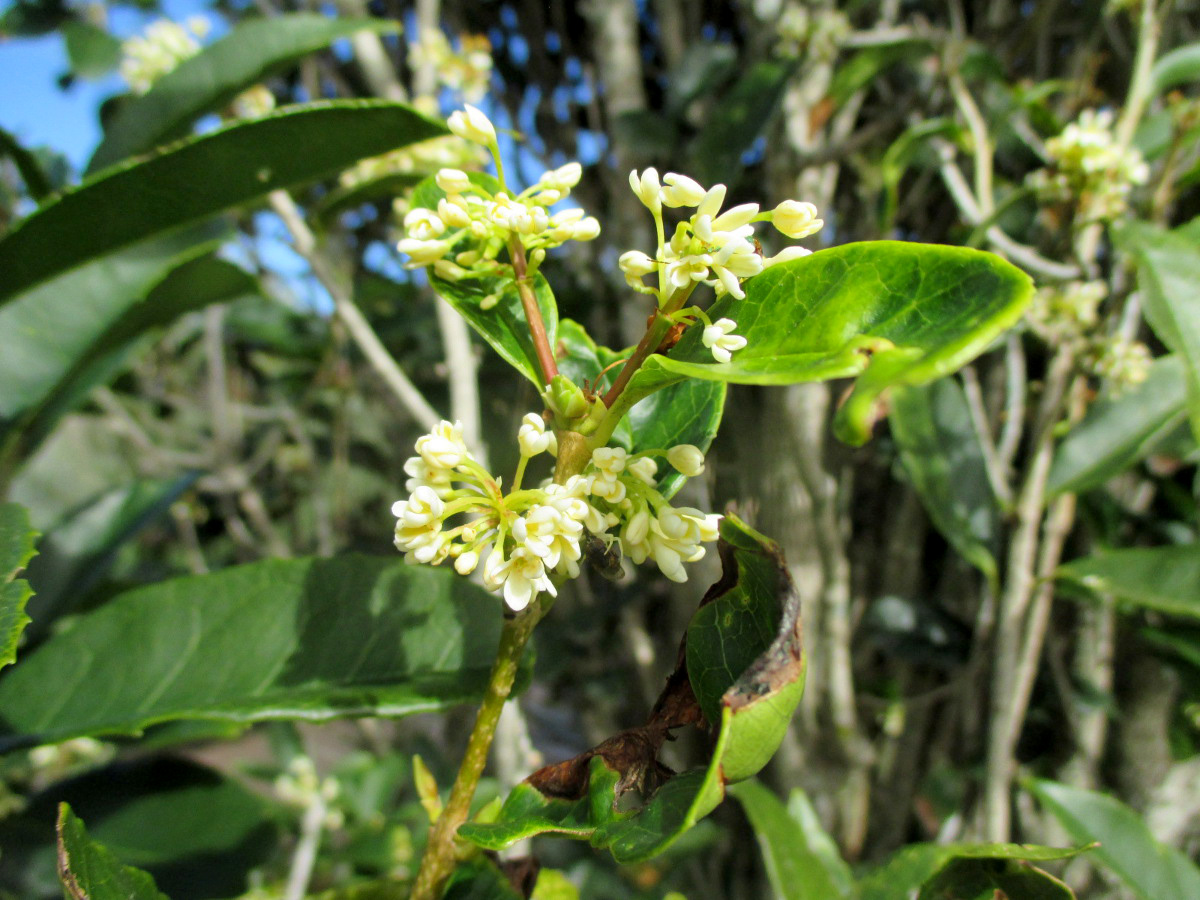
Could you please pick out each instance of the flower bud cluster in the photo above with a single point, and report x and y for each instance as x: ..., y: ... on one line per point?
x: 300, y: 787
x: 458, y: 511
x: 801, y: 31
x: 1069, y: 315
x: 164, y: 45
x: 1090, y: 167
x: 466, y: 71
x: 1122, y: 362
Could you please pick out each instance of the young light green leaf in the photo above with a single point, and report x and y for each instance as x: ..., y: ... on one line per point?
x: 16, y: 549
x: 311, y: 639
x: 90, y: 871
x: 794, y: 870
x: 1165, y: 579
x: 941, y: 452
x: 888, y: 312
x: 1151, y: 870
x: 918, y: 864
x: 220, y: 170
x: 1118, y: 432
x: 57, y: 343
x: 749, y: 708
x: 252, y: 51
x: 1168, y: 272
x: 685, y: 413
x: 1176, y: 67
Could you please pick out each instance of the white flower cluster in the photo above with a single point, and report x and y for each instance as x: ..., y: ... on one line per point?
x: 472, y: 225
x: 1123, y: 362
x: 300, y: 787
x: 526, y: 536
x: 1067, y: 312
x: 466, y: 71
x: 1090, y: 166
x: 164, y: 45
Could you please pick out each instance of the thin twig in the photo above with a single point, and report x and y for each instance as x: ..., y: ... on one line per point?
x: 992, y: 462
x: 305, y: 856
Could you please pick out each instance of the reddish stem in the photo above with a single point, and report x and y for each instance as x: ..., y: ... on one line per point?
x: 533, y: 313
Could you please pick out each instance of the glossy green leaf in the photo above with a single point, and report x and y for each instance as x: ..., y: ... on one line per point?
x: 63, y: 334
x: 36, y: 182
x: 1119, y: 431
x: 1176, y: 67
x: 987, y: 879
x: 751, y: 717
x: 888, y: 312
x: 943, y: 457
x: 170, y: 817
x: 76, y: 552
x: 1152, y: 870
x: 741, y: 118
x: 686, y: 413
x: 16, y: 549
x: 222, y: 169
x: 502, y: 325
x: 92, y: 51
x: 251, y: 52
x: 794, y: 870
x: 1168, y: 272
x: 917, y: 864
x: 90, y: 871
x: 312, y: 639
x: 1165, y: 579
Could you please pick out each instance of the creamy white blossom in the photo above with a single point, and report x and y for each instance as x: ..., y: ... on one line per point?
x: 648, y: 188
x: 719, y: 337
x: 687, y: 459
x: 796, y: 219
x: 533, y: 438
x: 470, y: 123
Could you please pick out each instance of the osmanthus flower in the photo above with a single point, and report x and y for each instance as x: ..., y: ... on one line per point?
x: 526, y: 538
x: 163, y: 46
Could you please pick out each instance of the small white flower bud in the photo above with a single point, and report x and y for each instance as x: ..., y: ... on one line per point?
x: 643, y: 468
x: 586, y: 230
x: 466, y: 562
x: 647, y: 187
x: 471, y: 124
x: 422, y: 253
x: 449, y: 271
x: 687, y: 458
x: 452, y: 181
x: 564, y: 177
x: 681, y: 191
x: 454, y: 212
x: 636, y: 263
x: 796, y: 220
x: 736, y: 217
x: 787, y: 254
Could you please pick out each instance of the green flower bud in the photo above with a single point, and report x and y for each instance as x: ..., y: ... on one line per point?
x: 565, y: 398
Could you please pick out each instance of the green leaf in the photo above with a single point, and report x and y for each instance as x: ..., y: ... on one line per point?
x: 311, y: 639
x: 36, y: 182
x: 203, y: 175
x: 251, y: 52
x: 794, y: 870
x: 1152, y: 870
x: 553, y: 885
x: 92, y: 51
x: 866, y: 65
x: 479, y: 879
x: 1119, y: 431
x: 16, y: 549
x: 90, y: 871
x: 579, y: 798
x: 916, y: 864
x: 986, y: 879
x: 76, y: 552
x: 344, y: 198
x: 941, y: 452
x: 502, y: 325
x: 686, y: 413
x: 1165, y: 579
x: 888, y: 312
x: 1176, y: 67
x: 1168, y: 272
x: 65, y: 336
x: 740, y: 118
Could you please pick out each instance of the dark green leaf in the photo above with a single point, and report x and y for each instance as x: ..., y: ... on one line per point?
x: 742, y: 117
x: 915, y: 865
x: 90, y: 871
x: 76, y: 553
x: 987, y: 879
x: 1165, y: 579
x: 942, y: 454
x: 92, y: 51
x: 390, y: 185
x: 1176, y: 67
x: 479, y: 879
x: 578, y: 798
x: 16, y: 549
x: 66, y: 335
x: 1119, y: 431
x: 36, y: 182
x: 208, y: 81
x: 312, y: 639
x: 866, y: 65
x: 888, y: 312
x: 1168, y: 272
x: 1152, y: 870
x: 226, y: 168
x: 686, y: 413
x: 794, y: 870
